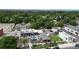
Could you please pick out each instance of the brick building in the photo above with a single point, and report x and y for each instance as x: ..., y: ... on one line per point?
x: 1, y: 32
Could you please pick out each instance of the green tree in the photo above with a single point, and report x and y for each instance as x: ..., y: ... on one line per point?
x: 60, y: 23
x: 48, y: 25
x: 23, y: 40
x: 8, y: 42
x: 73, y: 23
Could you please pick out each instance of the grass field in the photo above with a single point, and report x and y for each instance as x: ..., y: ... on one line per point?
x: 40, y: 46
x: 55, y: 38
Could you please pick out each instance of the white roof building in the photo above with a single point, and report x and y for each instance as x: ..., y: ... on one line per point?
x: 66, y: 46
x: 66, y: 37
x: 39, y: 31
x: 54, y: 29
x: 72, y: 29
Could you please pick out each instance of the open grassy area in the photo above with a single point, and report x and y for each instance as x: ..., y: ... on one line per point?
x: 55, y: 38
x: 40, y: 46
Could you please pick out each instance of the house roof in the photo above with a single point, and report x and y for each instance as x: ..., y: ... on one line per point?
x: 65, y: 34
x: 73, y: 27
x: 75, y: 36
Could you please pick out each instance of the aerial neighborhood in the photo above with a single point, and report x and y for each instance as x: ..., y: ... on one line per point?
x: 37, y: 29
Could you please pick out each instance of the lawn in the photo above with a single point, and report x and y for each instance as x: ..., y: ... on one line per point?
x: 55, y: 38
x: 40, y: 46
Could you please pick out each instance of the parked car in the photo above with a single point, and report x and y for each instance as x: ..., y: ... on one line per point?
x: 77, y: 45
x: 51, y: 31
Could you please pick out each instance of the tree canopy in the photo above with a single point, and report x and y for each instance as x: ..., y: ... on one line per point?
x: 39, y: 18
x: 8, y: 42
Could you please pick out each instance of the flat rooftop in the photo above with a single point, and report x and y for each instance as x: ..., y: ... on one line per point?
x: 73, y: 27
x: 7, y: 27
x: 67, y: 46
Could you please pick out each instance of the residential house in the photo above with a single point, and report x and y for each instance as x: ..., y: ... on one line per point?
x: 72, y: 29
x: 66, y: 37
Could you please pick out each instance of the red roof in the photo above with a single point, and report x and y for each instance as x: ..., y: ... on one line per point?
x: 1, y: 32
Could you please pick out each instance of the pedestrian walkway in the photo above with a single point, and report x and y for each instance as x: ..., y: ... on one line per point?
x: 67, y: 46
x: 30, y: 45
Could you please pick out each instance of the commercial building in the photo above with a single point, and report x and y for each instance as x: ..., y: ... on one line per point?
x: 22, y: 26
x: 35, y: 35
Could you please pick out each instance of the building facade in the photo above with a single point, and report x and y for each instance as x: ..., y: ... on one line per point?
x: 72, y: 29
x: 1, y: 32
x: 66, y: 37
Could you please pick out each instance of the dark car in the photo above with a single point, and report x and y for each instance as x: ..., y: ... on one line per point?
x: 51, y: 31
